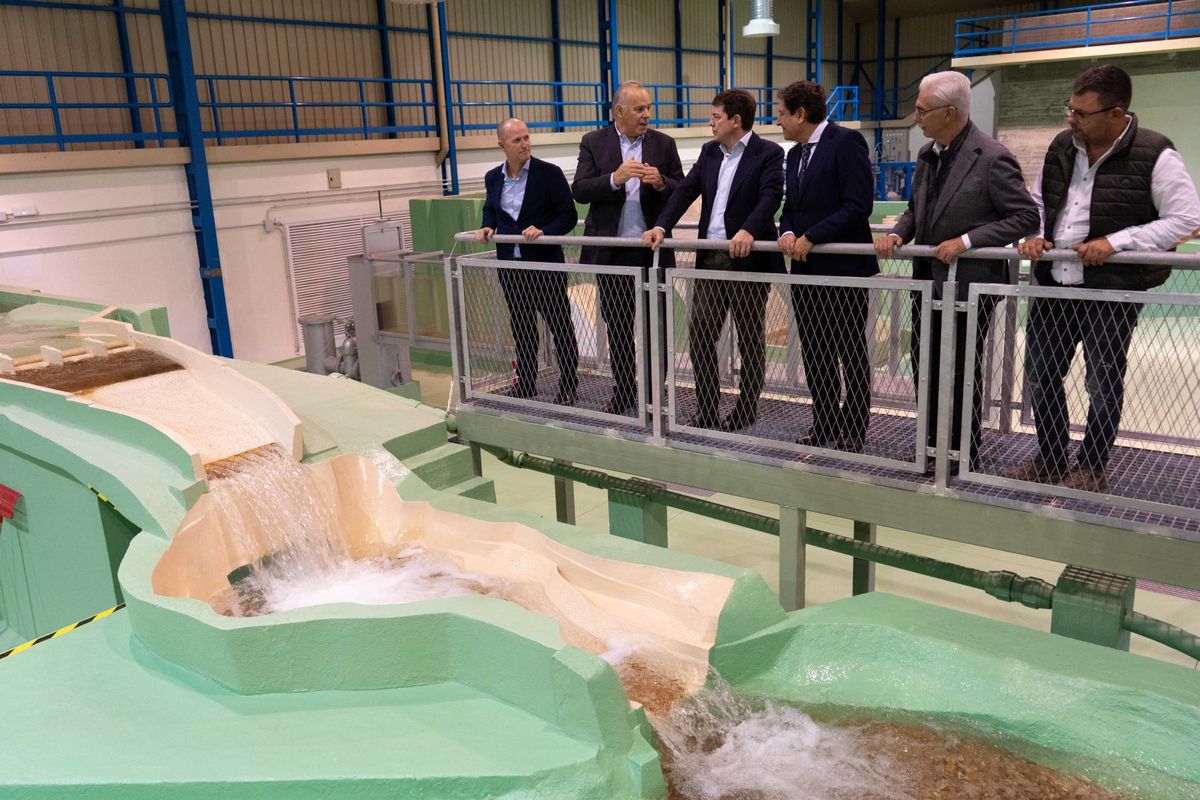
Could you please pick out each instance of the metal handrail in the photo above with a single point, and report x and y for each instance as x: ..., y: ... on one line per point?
x: 296, y: 131
x: 975, y: 32
x: 55, y: 106
x: 1166, y: 259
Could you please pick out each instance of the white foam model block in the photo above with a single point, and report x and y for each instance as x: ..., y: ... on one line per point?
x: 52, y: 355
x: 95, y: 347
x: 7, y: 367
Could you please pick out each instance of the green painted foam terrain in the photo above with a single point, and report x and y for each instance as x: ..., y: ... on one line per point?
x: 469, y: 697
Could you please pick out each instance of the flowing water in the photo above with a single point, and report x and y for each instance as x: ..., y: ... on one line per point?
x: 715, y: 743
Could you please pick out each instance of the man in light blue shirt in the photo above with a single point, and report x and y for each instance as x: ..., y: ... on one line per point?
x: 531, y: 197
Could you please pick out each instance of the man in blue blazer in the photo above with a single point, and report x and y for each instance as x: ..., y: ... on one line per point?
x: 531, y: 197
x: 740, y: 177
x: 830, y: 195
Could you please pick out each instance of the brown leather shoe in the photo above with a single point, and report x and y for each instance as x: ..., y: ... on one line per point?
x: 1086, y: 479
x: 1035, y: 470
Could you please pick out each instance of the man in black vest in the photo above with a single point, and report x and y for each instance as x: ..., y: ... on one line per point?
x: 1106, y: 185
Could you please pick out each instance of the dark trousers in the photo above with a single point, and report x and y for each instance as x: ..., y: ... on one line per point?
x: 711, y: 302
x: 987, y: 305
x: 529, y: 293
x: 1056, y: 327
x: 831, y: 321
x: 619, y: 307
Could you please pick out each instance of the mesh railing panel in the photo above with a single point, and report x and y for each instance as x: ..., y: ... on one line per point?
x: 562, y: 335
x: 797, y: 361
x: 1104, y: 396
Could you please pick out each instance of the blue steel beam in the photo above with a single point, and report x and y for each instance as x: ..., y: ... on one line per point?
x: 182, y: 73
x: 880, y: 56
x: 135, y: 115
x: 450, y: 165
x: 812, y: 61
x: 841, y: 24
x: 613, y: 32
x: 679, y: 108
x: 556, y: 33
x: 722, y: 58
x: 385, y: 62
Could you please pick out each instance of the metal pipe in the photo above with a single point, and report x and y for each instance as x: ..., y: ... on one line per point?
x: 1162, y: 632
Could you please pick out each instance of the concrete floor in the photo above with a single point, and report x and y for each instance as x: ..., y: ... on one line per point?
x: 828, y: 576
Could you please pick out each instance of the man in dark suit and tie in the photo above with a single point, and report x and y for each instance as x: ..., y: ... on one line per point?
x: 967, y: 192
x: 739, y: 175
x: 626, y: 172
x: 530, y: 197
x: 830, y: 195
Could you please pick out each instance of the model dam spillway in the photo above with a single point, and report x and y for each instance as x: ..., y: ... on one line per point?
x: 324, y: 601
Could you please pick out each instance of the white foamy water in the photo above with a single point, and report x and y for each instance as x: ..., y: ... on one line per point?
x: 717, y: 745
x: 413, y: 575
x: 275, y: 507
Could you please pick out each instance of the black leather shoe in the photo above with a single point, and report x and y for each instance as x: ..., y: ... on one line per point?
x: 736, y: 421
x: 620, y: 406
x: 699, y: 420
x: 811, y: 439
x: 851, y: 444
x: 566, y: 397
x: 520, y: 390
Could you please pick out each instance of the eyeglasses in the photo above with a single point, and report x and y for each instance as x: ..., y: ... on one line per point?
x: 920, y: 113
x: 1082, y: 114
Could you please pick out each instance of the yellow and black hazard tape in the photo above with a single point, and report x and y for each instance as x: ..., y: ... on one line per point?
x: 23, y: 647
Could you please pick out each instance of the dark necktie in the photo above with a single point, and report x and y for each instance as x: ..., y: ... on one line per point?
x: 805, y: 153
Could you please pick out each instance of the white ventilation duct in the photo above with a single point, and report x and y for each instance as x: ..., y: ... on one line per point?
x: 760, y: 23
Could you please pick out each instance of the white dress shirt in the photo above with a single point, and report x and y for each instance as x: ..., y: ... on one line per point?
x: 512, y: 195
x: 633, y: 221
x: 1171, y: 191
x: 729, y: 164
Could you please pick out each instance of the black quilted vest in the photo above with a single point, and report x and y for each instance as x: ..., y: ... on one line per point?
x: 1120, y: 198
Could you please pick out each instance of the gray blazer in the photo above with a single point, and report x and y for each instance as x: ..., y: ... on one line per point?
x: 984, y: 196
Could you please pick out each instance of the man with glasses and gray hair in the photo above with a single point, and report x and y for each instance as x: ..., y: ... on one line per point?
x: 1107, y: 185
x: 967, y: 192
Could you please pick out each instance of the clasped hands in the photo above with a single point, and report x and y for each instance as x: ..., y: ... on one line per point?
x: 484, y: 235
x: 632, y: 168
x: 739, y: 245
x: 1093, y: 253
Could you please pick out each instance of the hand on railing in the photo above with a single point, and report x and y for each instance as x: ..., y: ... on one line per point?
x: 886, y: 245
x: 531, y: 233
x: 484, y: 235
x: 949, y: 250
x: 1033, y: 247
x: 653, y: 237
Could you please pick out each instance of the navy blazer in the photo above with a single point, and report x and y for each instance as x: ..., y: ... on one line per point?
x: 547, y: 205
x: 833, y: 203
x: 599, y: 158
x: 753, y: 198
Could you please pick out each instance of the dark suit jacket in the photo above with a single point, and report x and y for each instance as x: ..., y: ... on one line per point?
x: 753, y: 198
x: 984, y: 196
x: 834, y: 202
x: 599, y: 157
x: 547, y: 205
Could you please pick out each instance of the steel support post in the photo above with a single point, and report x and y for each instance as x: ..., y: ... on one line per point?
x: 792, y: 557
x: 636, y: 516
x: 564, y: 497
x: 863, y: 579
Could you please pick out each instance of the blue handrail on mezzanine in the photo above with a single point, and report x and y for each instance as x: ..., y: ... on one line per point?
x: 512, y: 105
x: 842, y: 103
x: 158, y: 89
x: 977, y: 36
x: 295, y: 106
x: 683, y: 100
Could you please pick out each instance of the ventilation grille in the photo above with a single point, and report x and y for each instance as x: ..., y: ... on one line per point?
x: 316, y: 257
